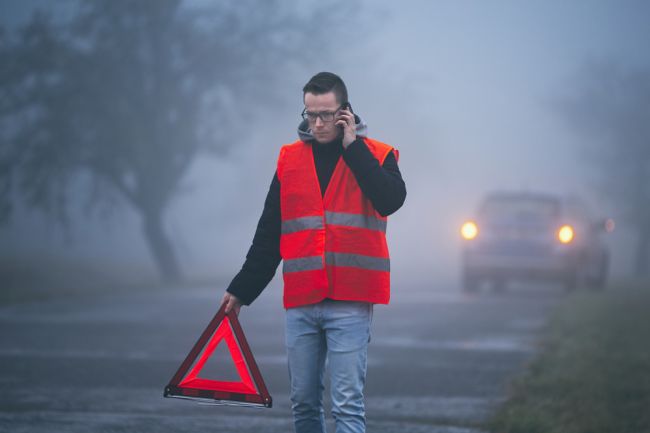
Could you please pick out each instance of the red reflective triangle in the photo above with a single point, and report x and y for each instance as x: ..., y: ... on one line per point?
x: 191, y: 379
x: 187, y: 383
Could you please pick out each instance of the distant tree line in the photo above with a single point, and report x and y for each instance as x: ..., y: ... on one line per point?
x: 130, y: 93
x: 610, y: 107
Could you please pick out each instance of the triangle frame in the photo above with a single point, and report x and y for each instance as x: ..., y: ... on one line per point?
x: 250, y: 391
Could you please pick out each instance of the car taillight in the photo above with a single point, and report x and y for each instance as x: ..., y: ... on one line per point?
x: 565, y: 234
x: 469, y: 230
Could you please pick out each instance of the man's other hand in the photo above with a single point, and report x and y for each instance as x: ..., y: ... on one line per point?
x: 232, y: 302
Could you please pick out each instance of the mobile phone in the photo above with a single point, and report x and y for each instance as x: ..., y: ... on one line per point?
x: 345, y: 106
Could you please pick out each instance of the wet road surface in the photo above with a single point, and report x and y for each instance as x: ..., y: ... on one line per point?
x: 439, y: 361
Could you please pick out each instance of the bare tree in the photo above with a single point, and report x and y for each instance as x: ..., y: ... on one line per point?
x: 130, y: 92
x: 611, y: 107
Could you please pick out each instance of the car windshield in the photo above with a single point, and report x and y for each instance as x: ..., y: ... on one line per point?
x: 520, y: 208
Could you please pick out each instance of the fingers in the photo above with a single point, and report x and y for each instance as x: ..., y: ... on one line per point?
x: 224, y: 298
x: 350, y: 120
x: 227, y: 299
x: 346, y: 120
x: 347, y: 117
x: 232, y: 303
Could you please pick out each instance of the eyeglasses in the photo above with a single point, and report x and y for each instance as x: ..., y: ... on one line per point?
x: 325, y: 116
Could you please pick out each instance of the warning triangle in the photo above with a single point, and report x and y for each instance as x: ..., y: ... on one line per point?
x: 220, y: 365
x: 191, y: 381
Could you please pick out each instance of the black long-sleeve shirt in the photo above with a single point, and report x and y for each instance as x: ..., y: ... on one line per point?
x: 382, y: 184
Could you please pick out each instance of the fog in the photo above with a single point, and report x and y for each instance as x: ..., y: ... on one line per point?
x: 468, y: 92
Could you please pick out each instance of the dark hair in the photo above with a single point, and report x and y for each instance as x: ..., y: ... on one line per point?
x: 325, y: 82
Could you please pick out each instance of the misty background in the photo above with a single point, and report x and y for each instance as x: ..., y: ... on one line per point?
x: 477, y: 96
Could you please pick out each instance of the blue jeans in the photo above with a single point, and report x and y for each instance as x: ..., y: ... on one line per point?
x: 338, y: 331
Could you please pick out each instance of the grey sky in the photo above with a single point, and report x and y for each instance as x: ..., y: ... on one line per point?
x: 464, y: 89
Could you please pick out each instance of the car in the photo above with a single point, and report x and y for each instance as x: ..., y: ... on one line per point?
x: 524, y: 235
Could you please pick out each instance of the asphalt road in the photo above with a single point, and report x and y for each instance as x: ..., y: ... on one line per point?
x: 439, y: 361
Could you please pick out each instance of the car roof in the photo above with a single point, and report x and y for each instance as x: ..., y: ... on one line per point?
x: 567, y: 203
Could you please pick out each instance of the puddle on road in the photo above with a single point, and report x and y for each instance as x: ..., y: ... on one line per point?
x: 529, y: 325
x: 490, y: 343
x: 466, y: 409
x: 505, y: 343
x: 145, y: 410
x: 117, y: 355
x: 99, y: 314
x: 83, y: 354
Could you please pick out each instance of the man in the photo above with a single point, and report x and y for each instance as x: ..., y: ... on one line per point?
x: 325, y: 216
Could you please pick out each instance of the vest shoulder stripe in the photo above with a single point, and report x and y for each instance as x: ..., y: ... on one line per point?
x: 310, y: 263
x: 302, y: 223
x: 358, y: 261
x: 355, y: 220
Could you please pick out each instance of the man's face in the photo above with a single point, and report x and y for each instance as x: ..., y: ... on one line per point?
x: 325, y: 103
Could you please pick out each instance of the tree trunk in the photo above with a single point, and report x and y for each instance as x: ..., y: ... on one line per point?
x: 160, y: 246
x: 643, y: 252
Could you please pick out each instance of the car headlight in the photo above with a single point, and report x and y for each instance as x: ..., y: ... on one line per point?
x: 469, y: 230
x: 565, y: 234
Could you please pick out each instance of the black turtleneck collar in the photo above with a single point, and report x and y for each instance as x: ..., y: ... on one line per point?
x: 326, y: 155
x: 334, y: 146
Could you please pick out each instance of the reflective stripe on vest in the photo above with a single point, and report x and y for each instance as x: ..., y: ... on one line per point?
x: 300, y: 264
x: 335, y: 218
x: 303, y: 223
x: 355, y: 220
x: 358, y: 261
x: 313, y: 263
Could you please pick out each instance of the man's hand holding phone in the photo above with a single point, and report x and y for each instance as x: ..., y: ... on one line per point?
x: 345, y: 120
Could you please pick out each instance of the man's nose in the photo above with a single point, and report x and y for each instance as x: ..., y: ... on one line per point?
x: 318, y: 122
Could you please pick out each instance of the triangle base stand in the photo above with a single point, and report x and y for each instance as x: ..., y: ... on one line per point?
x: 217, y: 398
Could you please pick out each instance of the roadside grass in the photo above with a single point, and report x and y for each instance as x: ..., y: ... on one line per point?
x: 593, y: 372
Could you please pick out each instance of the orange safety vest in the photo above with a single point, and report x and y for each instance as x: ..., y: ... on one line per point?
x: 333, y: 245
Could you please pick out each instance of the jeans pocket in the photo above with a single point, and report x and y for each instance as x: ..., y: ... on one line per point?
x: 347, y: 325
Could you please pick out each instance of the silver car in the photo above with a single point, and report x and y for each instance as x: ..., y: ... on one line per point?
x: 527, y: 235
